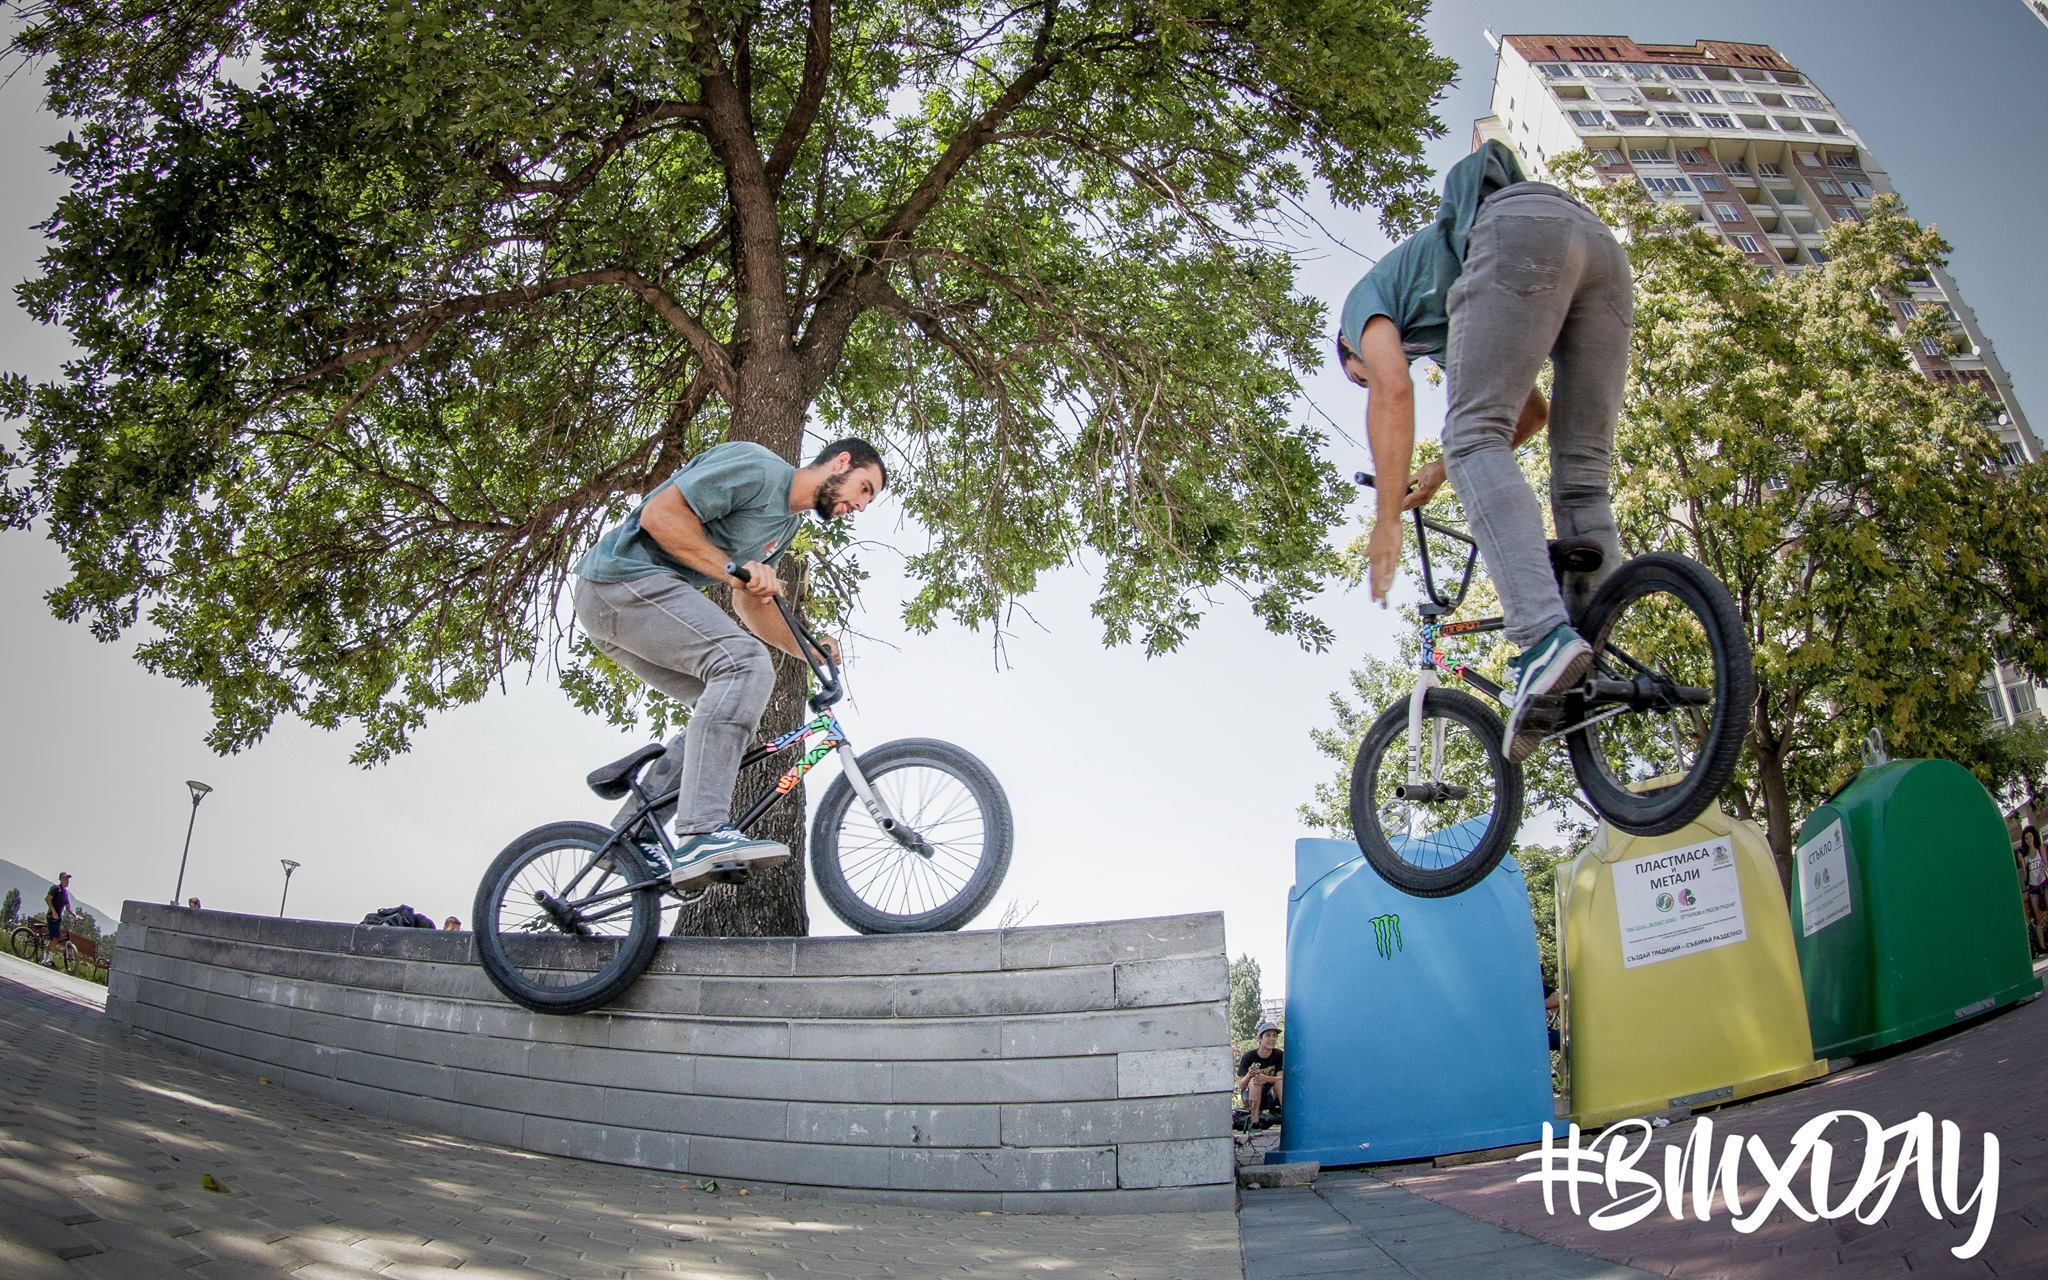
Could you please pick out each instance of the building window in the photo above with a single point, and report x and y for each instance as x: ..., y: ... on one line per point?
x: 1642, y: 71
x: 1769, y: 170
x: 1556, y: 70
x: 1827, y: 186
x: 1649, y: 155
x: 1862, y: 190
x: 1699, y: 95
x: 1909, y: 308
x: 1748, y: 244
x: 1690, y: 155
x: 1807, y: 102
x: 1608, y: 155
x: 1808, y: 159
x: 1933, y: 348
x: 1676, y: 119
x: 1715, y: 120
x: 1669, y: 186
x: 1736, y: 166
x: 1727, y: 212
x: 1707, y: 182
x: 1842, y: 160
x: 2012, y: 454
x: 1820, y: 259
x: 1678, y: 71
x: 1632, y: 119
x: 1738, y: 97
x: 1845, y: 213
x: 1588, y: 119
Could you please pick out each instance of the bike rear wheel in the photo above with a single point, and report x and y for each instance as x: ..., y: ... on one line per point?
x: 955, y: 813
x: 24, y: 942
x: 556, y: 931
x: 1667, y: 624
x: 1450, y: 833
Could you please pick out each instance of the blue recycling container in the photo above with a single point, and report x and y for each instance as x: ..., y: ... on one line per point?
x: 1415, y: 1026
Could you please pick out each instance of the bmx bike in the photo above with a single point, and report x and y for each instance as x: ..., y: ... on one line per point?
x: 568, y: 916
x: 1653, y: 731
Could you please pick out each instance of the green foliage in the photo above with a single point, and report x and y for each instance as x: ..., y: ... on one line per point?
x: 1245, y: 999
x: 382, y: 314
x: 10, y: 908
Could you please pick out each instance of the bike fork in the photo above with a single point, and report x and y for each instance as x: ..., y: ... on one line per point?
x: 1424, y: 682
x: 877, y: 808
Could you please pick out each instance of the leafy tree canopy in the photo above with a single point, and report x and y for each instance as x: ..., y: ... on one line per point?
x: 383, y: 312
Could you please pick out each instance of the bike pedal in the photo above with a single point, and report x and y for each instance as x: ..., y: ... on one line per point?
x: 730, y: 872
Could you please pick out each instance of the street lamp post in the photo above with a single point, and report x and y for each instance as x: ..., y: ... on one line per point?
x: 289, y: 867
x: 199, y: 790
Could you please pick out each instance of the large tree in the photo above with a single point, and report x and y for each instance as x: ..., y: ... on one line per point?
x: 382, y: 312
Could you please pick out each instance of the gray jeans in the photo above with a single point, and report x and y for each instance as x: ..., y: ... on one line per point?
x: 1543, y: 278
x: 671, y: 635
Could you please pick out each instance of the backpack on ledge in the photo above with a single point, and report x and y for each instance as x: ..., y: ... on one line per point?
x: 400, y: 917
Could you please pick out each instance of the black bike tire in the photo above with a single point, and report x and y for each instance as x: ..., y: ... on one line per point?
x: 636, y: 948
x: 961, y: 907
x: 1435, y: 882
x: 1670, y: 808
x: 23, y: 942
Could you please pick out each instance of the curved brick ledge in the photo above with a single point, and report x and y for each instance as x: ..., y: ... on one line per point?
x: 1056, y: 1069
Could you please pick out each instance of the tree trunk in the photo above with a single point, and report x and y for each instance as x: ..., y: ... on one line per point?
x: 1770, y: 772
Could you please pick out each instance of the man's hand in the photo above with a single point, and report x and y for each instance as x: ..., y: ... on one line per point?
x: 830, y: 644
x: 1427, y: 481
x: 761, y: 582
x: 1383, y: 554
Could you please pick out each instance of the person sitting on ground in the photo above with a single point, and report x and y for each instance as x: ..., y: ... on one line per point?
x: 58, y: 899
x: 1258, y: 1073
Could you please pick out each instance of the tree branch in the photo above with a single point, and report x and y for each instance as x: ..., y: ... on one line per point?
x: 810, y: 94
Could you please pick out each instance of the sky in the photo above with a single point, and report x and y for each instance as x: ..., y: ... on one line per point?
x: 1140, y: 787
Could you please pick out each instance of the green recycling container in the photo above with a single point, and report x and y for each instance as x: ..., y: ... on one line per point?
x: 1906, y: 908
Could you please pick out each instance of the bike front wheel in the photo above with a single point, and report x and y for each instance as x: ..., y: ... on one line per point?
x: 1667, y: 626
x: 559, y: 927
x: 1442, y: 826
x: 942, y: 864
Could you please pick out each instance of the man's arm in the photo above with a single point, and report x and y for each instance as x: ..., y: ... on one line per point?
x: 1390, y: 428
x: 675, y: 528
x: 1535, y: 417
x: 765, y: 620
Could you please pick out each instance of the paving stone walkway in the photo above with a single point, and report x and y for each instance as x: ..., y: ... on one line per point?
x: 121, y: 1159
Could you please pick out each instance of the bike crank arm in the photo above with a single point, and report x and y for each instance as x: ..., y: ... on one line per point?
x: 878, y: 809
x: 1643, y: 693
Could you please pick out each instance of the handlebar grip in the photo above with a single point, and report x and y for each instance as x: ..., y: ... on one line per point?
x: 1362, y: 477
x: 738, y: 571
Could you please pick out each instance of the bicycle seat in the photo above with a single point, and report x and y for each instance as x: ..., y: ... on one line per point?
x: 1576, y: 555
x: 616, y: 778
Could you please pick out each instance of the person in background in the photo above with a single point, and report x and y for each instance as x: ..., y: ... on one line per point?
x: 192, y: 903
x: 57, y: 898
x: 452, y: 924
x: 1258, y: 1073
x: 2034, y: 886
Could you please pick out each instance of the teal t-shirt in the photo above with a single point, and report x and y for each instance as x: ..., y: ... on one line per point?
x: 1410, y: 285
x: 741, y: 493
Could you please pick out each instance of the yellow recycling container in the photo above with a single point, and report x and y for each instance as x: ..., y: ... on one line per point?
x: 1681, y: 978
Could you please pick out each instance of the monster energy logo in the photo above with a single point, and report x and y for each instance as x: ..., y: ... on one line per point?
x: 1386, y: 935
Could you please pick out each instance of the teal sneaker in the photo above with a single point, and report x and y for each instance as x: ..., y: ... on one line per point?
x: 721, y: 853
x: 1555, y: 662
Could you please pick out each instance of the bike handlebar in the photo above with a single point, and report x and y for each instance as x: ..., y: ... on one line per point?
x: 822, y: 665
x: 1423, y: 522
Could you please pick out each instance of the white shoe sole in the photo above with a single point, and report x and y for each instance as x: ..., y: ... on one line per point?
x: 729, y: 866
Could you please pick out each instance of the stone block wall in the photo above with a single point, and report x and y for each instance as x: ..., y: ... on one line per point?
x: 1054, y: 1069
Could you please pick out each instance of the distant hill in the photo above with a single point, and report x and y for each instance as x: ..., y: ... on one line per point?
x: 33, y: 884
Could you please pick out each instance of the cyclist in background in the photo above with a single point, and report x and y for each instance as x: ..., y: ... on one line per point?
x: 58, y: 900
x: 1511, y: 272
